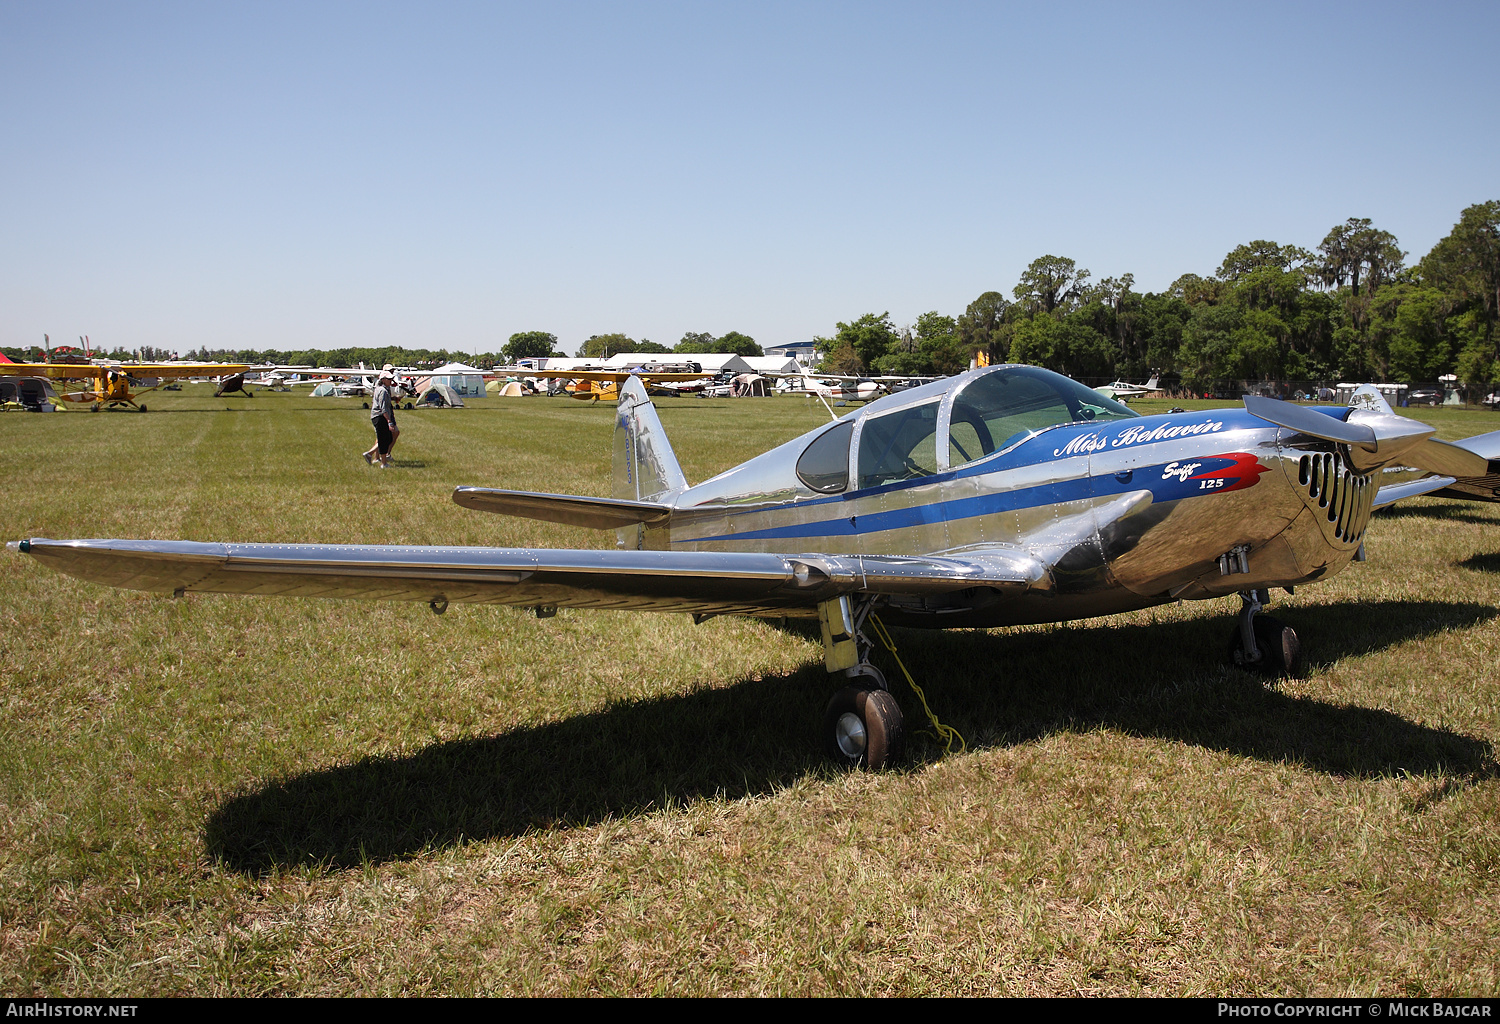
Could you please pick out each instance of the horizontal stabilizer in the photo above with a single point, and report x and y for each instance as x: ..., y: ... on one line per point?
x: 569, y: 509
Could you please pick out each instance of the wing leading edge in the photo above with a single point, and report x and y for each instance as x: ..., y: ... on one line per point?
x: 677, y: 581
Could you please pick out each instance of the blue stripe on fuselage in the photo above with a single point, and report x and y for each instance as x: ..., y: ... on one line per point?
x: 1039, y: 449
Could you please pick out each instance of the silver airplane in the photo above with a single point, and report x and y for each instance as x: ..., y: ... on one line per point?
x: 1001, y: 496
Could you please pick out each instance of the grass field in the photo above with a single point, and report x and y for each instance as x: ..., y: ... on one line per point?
x: 216, y: 795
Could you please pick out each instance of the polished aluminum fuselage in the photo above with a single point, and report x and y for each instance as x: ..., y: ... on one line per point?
x: 1123, y: 514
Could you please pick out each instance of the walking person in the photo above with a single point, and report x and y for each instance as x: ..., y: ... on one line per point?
x: 383, y: 418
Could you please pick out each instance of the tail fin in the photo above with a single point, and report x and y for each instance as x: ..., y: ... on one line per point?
x: 646, y: 469
x: 1368, y: 396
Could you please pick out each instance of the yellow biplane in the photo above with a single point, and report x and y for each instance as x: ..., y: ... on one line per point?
x: 110, y: 384
x: 604, y: 385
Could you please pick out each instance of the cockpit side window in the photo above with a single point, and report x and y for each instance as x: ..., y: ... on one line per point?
x: 1000, y: 408
x: 824, y: 465
x: 900, y: 445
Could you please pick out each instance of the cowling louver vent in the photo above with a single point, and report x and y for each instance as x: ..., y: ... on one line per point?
x: 1343, y: 496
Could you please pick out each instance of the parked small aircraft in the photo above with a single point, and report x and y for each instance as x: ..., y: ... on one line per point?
x: 604, y: 385
x: 1123, y: 391
x: 1002, y: 496
x: 110, y: 384
x: 843, y: 387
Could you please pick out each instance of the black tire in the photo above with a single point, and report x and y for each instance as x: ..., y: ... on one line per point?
x: 1280, y: 650
x: 863, y: 728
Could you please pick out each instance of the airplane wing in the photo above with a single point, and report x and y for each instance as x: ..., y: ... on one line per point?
x: 76, y: 371
x: 672, y: 581
x: 618, y: 376
x: 56, y: 371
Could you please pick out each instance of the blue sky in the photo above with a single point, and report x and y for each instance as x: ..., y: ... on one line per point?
x: 443, y: 175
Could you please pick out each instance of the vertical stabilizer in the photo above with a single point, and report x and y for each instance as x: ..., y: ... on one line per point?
x: 645, y: 466
x: 1368, y: 396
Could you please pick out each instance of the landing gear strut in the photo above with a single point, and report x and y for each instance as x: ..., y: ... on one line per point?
x: 862, y: 726
x: 1263, y: 644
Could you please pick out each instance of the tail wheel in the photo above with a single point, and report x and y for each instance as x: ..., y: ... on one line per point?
x: 1280, y: 650
x: 863, y: 728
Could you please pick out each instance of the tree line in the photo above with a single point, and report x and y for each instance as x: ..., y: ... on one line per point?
x: 522, y: 345
x: 1350, y: 309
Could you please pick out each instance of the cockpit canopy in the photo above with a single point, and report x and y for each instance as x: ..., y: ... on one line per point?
x: 947, y: 424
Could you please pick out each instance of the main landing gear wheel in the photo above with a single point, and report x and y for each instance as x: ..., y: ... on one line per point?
x: 863, y: 728
x: 1278, y: 649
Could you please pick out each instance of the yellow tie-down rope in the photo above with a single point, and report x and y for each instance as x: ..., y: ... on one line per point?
x: 946, y: 733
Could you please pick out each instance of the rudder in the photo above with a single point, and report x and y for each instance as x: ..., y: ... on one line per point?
x: 645, y: 467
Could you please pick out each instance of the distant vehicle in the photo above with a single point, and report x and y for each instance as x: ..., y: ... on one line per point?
x: 1425, y: 396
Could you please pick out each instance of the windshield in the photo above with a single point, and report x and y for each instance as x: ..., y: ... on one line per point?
x: 999, y: 408
x: 900, y: 445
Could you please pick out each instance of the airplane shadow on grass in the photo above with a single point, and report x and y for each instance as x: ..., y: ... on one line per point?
x: 1489, y: 562
x: 1453, y: 512
x: 757, y: 736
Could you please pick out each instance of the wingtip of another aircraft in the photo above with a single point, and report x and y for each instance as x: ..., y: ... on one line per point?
x: 21, y: 546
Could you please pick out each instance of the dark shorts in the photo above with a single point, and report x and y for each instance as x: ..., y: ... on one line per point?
x: 383, y: 437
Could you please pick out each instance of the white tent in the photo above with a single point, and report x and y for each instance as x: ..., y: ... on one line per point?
x: 561, y: 363
x: 464, y: 379
x: 773, y: 364
x: 712, y: 362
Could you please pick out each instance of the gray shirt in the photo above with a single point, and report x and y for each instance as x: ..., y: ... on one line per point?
x: 380, y: 406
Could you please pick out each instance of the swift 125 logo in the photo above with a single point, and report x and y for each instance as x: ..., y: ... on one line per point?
x: 1231, y: 471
